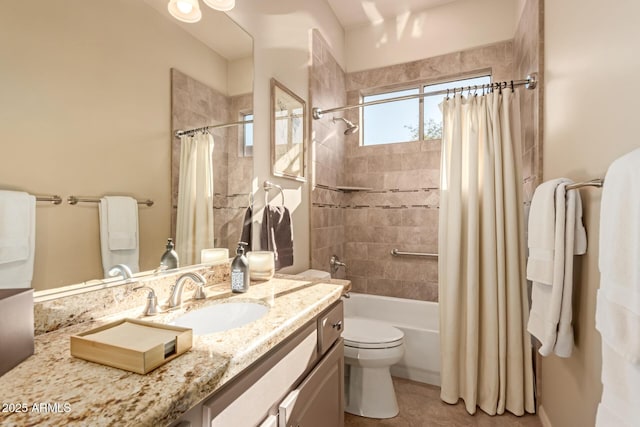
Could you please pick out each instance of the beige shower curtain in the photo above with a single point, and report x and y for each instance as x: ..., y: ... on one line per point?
x: 194, y: 225
x: 486, y: 355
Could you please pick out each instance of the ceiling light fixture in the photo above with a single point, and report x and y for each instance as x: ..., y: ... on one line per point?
x: 222, y: 5
x: 185, y: 10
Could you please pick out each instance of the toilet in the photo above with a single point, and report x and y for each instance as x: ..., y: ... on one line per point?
x: 370, y: 348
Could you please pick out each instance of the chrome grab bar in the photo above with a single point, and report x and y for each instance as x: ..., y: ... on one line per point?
x: 396, y: 252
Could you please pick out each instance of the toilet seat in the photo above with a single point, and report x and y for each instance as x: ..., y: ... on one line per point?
x: 368, y: 333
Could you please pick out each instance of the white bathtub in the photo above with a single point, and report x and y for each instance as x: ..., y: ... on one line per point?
x: 419, y: 320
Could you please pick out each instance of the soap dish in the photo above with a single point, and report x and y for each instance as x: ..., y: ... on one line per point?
x: 132, y: 345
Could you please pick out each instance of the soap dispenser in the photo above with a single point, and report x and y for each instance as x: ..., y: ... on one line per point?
x: 240, y: 270
x: 170, y: 257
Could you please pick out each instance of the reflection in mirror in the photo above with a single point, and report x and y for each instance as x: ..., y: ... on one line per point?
x: 209, y: 208
x: 86, y: 111
x: 288, y: 132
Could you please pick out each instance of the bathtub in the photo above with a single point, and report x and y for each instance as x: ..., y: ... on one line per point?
x: 419, y: 320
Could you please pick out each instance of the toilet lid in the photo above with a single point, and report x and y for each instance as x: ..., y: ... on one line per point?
x: 368, y: 333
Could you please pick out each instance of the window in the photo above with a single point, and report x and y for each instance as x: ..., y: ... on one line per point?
x: 410, y: 119
x: 246, y: 137
x: 390, y: 122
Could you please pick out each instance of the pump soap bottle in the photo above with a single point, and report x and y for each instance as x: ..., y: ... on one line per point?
x: 170, y: 257
x: 240, y: 270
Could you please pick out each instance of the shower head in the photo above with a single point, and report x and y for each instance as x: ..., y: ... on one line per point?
x: 351, y: 127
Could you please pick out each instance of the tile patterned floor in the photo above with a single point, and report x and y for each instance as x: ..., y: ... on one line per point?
x: 420, y: 406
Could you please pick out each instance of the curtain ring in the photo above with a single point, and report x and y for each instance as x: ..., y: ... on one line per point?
x: 447, y: 94
x: 475, y: 90
x: 512, y: 90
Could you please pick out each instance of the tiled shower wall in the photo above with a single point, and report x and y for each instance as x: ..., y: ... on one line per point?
x: 401, y: 210
x: 528, y: 58
x: 327, y: 89
x: 193, y: 105
x: 398, y: 205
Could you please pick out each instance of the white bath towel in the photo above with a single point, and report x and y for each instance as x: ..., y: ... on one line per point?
x: 618, y: 304
x: 119, y: 232
x: 619, y: 259
x: 17, y: 239
x: 552, y: 245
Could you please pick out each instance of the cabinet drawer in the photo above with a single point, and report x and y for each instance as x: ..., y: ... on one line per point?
x: 319, y: 400
x: 330, y: 327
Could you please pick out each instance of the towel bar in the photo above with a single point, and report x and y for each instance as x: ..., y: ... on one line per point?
x: 55, y: 199
x: 268, y: 185
x: 598, y: 182
x: 74, y: 200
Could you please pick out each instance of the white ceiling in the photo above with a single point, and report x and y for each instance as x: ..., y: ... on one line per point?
x: 215, y: 29
x: 354, y: 13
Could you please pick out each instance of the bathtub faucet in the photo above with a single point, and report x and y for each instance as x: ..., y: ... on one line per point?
x: 335, y: 263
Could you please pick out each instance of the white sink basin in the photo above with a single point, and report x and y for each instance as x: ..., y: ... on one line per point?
x: 221, y: 317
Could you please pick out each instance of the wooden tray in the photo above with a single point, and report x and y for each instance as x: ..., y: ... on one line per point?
x: 133, y: 345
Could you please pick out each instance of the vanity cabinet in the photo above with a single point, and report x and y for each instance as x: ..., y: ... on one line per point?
x: 318, y: 401
x: 298, y: 383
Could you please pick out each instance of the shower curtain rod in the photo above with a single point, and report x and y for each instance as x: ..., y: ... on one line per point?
x: 530, y: 83
x: 180, y: 133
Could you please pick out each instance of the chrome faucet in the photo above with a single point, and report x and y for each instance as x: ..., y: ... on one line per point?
x: 334, y: 264
x: 151, y: 309
x: 120, y: 270
x: 175, y: 300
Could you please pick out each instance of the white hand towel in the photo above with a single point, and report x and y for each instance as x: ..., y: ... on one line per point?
x: 17, y: 239
x: 119, y: 232
x: 554, y: 242
x: 542, y: 232
x: 122, y: 222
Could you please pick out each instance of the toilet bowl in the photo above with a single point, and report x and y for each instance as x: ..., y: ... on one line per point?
x: 370, y: 348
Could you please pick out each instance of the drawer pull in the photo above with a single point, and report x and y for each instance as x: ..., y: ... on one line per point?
x: 337, y: 325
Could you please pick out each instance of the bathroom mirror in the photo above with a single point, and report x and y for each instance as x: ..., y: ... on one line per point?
x: 86, y: 110
x: 288, y: 133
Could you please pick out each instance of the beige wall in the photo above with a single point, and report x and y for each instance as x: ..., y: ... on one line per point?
x: 85, y: 110
x: 591, y: 71
x: 282, y: 36
x: 448, y: 28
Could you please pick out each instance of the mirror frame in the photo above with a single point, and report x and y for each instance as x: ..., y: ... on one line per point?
x: 278, y: 93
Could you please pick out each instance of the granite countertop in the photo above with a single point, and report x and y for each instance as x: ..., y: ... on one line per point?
x: 53, y: 388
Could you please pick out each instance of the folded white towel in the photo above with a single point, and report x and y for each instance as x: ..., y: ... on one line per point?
x: 119, y: 232
x: 556, y: 233
x: 541, y: 232
x: 122, y: 222
x: 17, y: 239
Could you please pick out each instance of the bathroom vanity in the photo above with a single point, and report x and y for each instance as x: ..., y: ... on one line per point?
x: 284, y: 369
x: 298, y: 383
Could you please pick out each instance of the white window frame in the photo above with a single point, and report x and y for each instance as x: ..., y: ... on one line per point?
x: 422, y: 87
